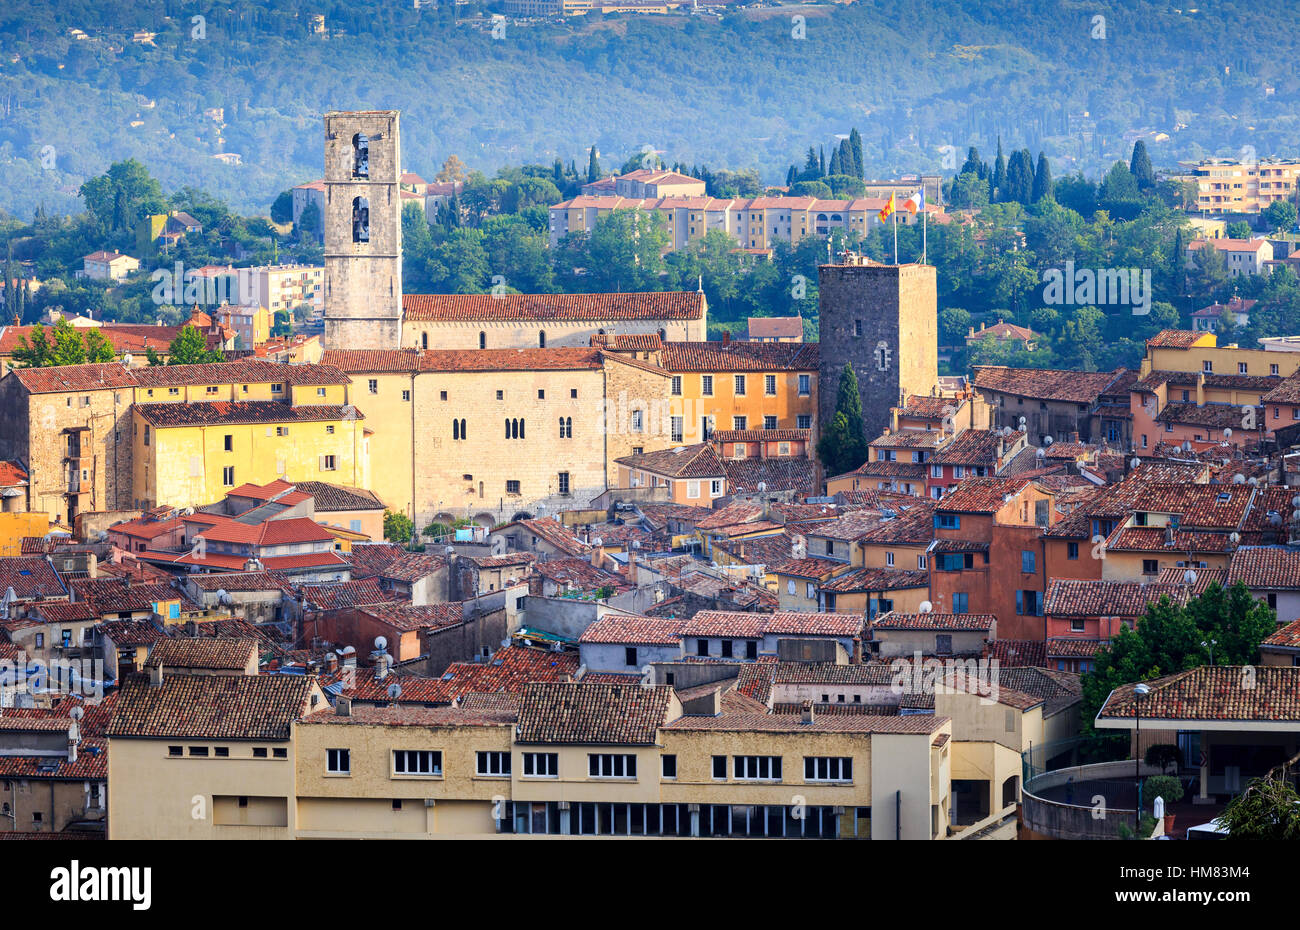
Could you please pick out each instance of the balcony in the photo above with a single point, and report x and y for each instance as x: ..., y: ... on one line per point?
x: 1083, y: 802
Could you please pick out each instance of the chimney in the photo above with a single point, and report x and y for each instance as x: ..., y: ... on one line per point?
x: 807, y: 714
x: 726, y: 337
x: 631, y: 565
x: 74, y: 740
x: 331, y: 662
x: 598, y: 554
x: 855, y: 657
x: 156, y: 675
x: 343, y: 706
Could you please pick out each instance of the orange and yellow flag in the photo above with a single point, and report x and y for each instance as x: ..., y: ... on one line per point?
x: 888, y: 209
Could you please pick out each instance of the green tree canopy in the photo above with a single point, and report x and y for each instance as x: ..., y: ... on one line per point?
x: 843, y: 447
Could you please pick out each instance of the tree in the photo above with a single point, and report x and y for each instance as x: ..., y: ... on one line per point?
x: 818, y: 189
x: 998, y: 182
x: 1238, y: 230
x: 190, y: 347
x: 1119, y: 194
x: 34, y: 353
x: 1280, y: 215
x: 452, y: 170
x: 309, y: 221
x: 398, y: 527
x: 1042, y: 179
x: 1267, y: 810
x: 1020, y: 178
x: 843, y: 447
x: 282, y: 207
x: 855, y: 146
x: 954, y: 325
x: 98, y: 349
x: 1140, y: 167
x: 593, y: 166
x: 119, y: 197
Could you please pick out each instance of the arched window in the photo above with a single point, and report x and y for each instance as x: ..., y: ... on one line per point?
x: 566, y: 427
x: 507, y: 428
x: 480, y: 489
x: 521, y: 429
x: 482, y: 340
x: 463, y: 433
x: 360, y: 156
x: 541, y: 339
x: 360, y: 219
x: 424, y: 340
x: 455, y: 429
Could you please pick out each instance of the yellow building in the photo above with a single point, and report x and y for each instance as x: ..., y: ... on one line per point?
x: 192, y: 454
x: 1230, y: 186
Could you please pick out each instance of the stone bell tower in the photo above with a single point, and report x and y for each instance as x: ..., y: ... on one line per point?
x: 363, y: 230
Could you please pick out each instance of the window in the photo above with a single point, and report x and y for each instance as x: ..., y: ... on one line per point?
x: 757, y: 768
x: 769, y: 422
x: 458, y: 429
x: 564, y: 482
x: 629, y: 655
x: 827, y: 768
x: 174, y: 751
x: 805, y: 385
x: 706, y: 385
x: 228, y: 476
x: 889, y: 559
x: 338, y: 761
x: 1072, y: 551
x: 512, y: 487
x: 719, y: 766
x: 541, y: 394
x: 857, y: 327
x: 494, y: 764
x: 442, y: 395
x: 1241, y: 368
x: 810, y: 590
x: 726, y: 648
x: 329, y: 429
x: 668, y: 766
x: 541, y: 764
x: 943, y: 644
x: 715, y: 487
x: 541, y: 339
x: 360, y: 219
x: 406, y: 395
x: 921, y: 562
x: 805, y: 421
x: 360, y: 155
x: 611, y: 765
x: 1076, y: 626
x: 501, y: 395
x: 1272, y: 369
x: 740, y: 385
x: 259, y: 752
x: 692, y: 489
x: 1027, y: 561
x: 1150, y: 566
x: 280, y: 753
x: 199, y: 751
x: 277, y: 389
x: 677, y: 385
x: 769, y: 385
x: 676, y: 428
x: 482, y: 342
x: 947, y: 521
x: 282, y: 431
x: 701, y: 647
x: 637, y: 424
x: 146, y: 434
x: 960, y: 602
x: 739, y: 423
x: 416, y: 762
x: 1207, y: 366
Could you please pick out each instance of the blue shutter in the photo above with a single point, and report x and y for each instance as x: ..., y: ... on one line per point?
x: 1020, y: 602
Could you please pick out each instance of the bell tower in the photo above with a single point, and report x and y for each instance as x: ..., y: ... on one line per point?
x: 363, y: 230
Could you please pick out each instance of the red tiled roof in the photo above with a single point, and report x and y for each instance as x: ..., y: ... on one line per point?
x: 697, y: 461
x: 617, y: 629
x: 208, y: 652
x: 1071, y: 598
x: 30, y: 576
x: 1264, y: 693
x: 981, y: 495
x: 775, y: 327
x: 223, y: 412
x: 1287, y: 637
x: 1155, y: 539
x: 105, y: 376
x: 916, y: 724
x: 741, y: 356
x: 12, y: 474
x: 876, y: 579
x: 1174, y: 339
x: 553, y: 532
x: 976, y: 447
x: 340, y: 594
x: 661, y: 305
x: 592, y: 714
x: 1268, y: 567
x: 210, y: 706
x: 934, y: 621
x: 1077, y: 387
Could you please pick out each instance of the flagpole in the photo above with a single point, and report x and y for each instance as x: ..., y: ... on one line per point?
x: 895, y: 237
x: 925, y: 229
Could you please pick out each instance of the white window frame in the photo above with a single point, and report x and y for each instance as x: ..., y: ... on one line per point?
x: 496, y: 763
x: 424, y: 763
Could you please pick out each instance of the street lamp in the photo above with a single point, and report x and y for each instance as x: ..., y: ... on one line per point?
x: 1210, y: 644
x: 1139, y: 692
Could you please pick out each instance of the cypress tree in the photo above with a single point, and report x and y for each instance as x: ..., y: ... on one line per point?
x: 836, y: 167
x: 855, y: 146
x: 1042, y: 179
x: 842, y: 447
x: 822, y: 163
x: 593, y: 166
x: 998, y: 183
x: 1140, y: 167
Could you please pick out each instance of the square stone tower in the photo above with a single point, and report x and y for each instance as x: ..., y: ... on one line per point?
x: 884, y: 321
x: 363, y: 230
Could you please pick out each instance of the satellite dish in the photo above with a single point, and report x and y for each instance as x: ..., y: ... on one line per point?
x: 394, y: 691
x: 762, y: 487
x: 1274, y: 518
x: 1047, y: 440
x: 505, y: 643
x: 381, y: 643
x: 925, y: 607
x: 1295, y: 501
x: 1227, y: 432
x: 1189, y: 577
x: 126, y: 360
x: 1238, y: 478
x: 1041, y: 453
x: 636, y: 544
x: 77, y: 713
x: 1134, y: 462
x: 449, y: 550
x: 1254, y: 481
x: 597, y: 542
x: 1234, y: 538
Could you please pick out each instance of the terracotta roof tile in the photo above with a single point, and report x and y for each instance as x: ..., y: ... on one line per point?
x: 207, y: 652
x: 593, y: 714
x: 741, y: 356
x: 243, y: 707
x: 934, y: 621
x: 661, y: 305
x: 1221, y: 692
x: 1070, y: 598
x: 1078, y: 387
x: 235, y: 412
x: 1268, y: 567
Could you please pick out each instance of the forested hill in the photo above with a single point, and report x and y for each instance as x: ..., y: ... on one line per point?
x: 743, y: 92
